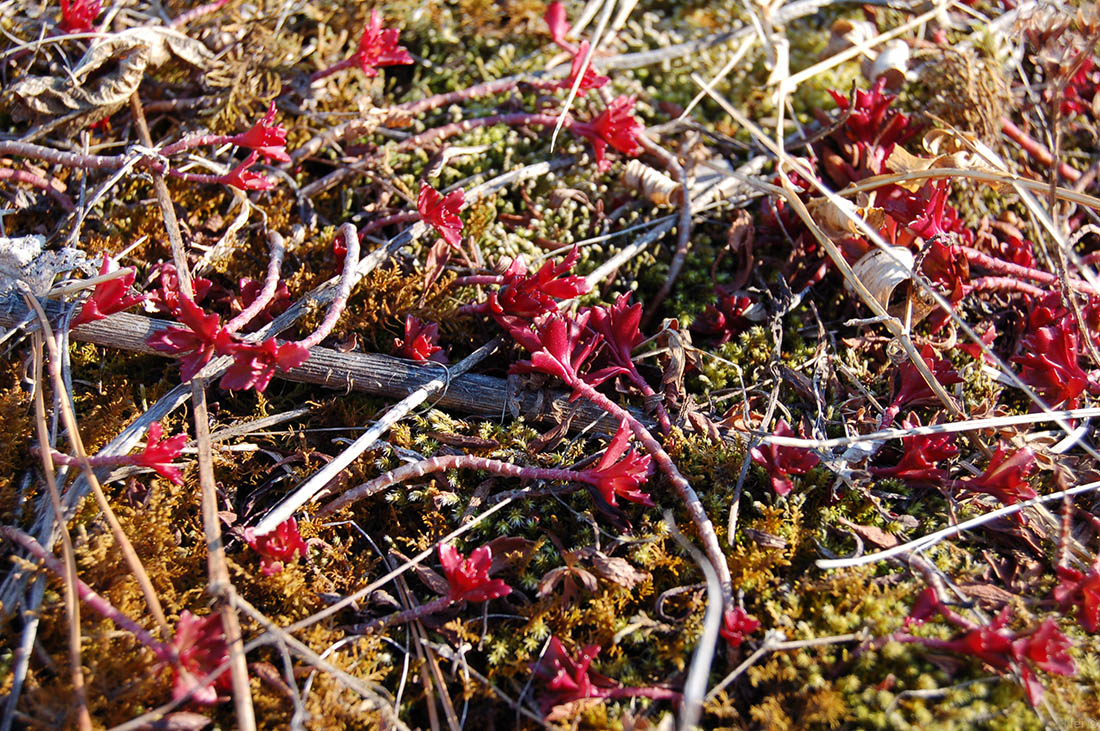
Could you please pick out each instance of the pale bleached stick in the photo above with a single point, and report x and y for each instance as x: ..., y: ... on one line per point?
x: 932, y: 539
x: 308, y: 489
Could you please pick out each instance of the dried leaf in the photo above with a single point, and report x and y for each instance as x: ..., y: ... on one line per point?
x: 871, y: 534
x: 882, y: 271
x: 617, y: 570
x: 660, y: 189
x: 835, y: 217
x: 110, y: 71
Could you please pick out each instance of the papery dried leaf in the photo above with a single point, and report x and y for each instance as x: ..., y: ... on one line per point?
x: 659, y: 188
x: 871, y: 534
x: 617, y: 570
x: 882, y: 271
x: 835, y: 217
x: 104, y: 79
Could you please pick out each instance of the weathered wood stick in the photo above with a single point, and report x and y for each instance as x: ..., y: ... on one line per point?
x: 380, y: 375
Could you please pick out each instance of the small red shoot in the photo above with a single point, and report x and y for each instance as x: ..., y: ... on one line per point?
x: 590, y: 80
x: 242, y: 178
x: 613, y: 476
x: 1080, y: 590
x: 108, y: 297
x: 421, y: 341
x: 531, y: 295
x: 468, y: 578
x: 615, y: 126
x: 736, y: 625
x: 265, y: 138
x: 159, y: 453
x: 78, y: 16
x: 201, y: 646
x: 278, y: 547
x: 781, y: 461
x: 442, y: 212
x: 378, y: 47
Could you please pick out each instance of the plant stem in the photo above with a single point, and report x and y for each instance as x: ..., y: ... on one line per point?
x: 703, y: 526
x: 68, y: 575
x: 29, y: 178
x: 452, y: 462
x: 408, y: 615
x: 1008, y: 269
x: 271, y: 283
x: 343, y: 288
x: 95, y: 602
x: 1003, y: 284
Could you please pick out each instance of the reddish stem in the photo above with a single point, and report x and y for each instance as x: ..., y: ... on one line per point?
x: 703, y: 526
x: 106, y: 460
x: 271, y: 283
x: 409, y: 615
x: 1036, y: 150
x: 1008, y: 269
x: 380, y: 223
x: 190, y: 142
x: 29, y: 178
x: 98, y: 162
x: 476, y: 280
x: 195, y: 13
x: 477, y: 308
x: 347, y: 63
x: 1003, y: 284
x: 453, y: 462
x: 343, y: 289
x: 95, y: 602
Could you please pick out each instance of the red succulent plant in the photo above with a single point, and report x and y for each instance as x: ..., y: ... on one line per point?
x: 242, y: 178
x: 78, y: 16
x: 619, y: 472
x: 530, y: 295
x: 195, y: 343
x: 923, y: 452
x: 265, y: 138
x: 421, y: 341
x: 782, y: 461
x: 590, y: 79
x: 378, y: 47
x: 557, y: 22
x: 201, y: 647
x: 615, y: 126
x: 1049, y: 354
x: 254, y: 364
x: 1081, y: 590
x: 618, y: 325
x: 159, y: 453
x: 736, y: 624
x: 559, y: 347
x: 468, y: 578
x: 442, y: 212
x: 1006, y: 476
x: 913, y: 390
x: 108, y: 297
x: 278, y: 547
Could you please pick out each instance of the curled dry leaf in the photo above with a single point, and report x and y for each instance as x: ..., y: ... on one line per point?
x: 104, y: 79
x: 847, y: 33
x: 891, y: 62
x: 617, y: 570
x: 882, y: 270
x: 660, y: 189
x: 836, y: 217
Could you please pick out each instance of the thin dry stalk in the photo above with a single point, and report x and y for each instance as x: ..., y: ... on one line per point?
x: 220, y: 585
x: 72, y: 607
x: 73, y: 432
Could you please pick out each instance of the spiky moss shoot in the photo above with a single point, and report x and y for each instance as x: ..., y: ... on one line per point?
x: 737, y: 363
